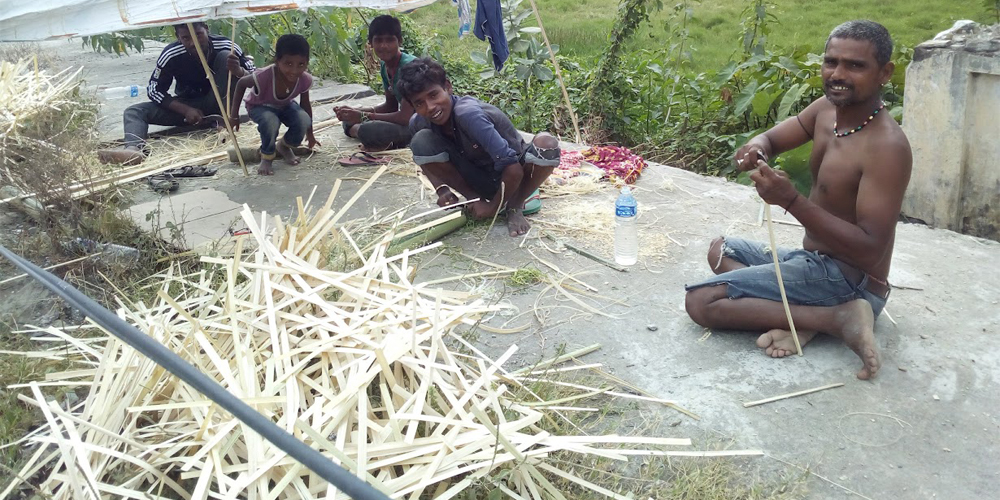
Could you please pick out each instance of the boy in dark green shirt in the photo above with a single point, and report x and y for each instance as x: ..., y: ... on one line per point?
x: 384, y: 126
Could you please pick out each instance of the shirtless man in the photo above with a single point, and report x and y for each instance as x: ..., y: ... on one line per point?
x: 860, y: 168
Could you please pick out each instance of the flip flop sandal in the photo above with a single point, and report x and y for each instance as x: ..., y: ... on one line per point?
x: 163, y: 184
x: 533, y: 204
x: 192, y: 171
x: 363, y: 159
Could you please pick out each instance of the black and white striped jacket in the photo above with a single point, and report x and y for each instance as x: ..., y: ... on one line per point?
x: 175, y: 63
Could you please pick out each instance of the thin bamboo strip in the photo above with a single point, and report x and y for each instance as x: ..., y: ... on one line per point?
x: 791, y: 395
x: 781, y: 283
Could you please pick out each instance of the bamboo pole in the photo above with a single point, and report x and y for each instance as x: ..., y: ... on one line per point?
x: 562, y: 85
x: 777, y: 272
x: 218, y: 99
x: 229, y: 81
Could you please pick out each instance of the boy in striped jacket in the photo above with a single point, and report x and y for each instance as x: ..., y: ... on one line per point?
x: 192, y: 100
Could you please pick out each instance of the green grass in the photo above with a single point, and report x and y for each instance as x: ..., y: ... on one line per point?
x: 581, y: 27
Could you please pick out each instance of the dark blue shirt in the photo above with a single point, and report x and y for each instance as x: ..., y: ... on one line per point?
x: 482, y: 133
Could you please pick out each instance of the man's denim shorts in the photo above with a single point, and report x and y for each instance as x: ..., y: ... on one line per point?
x: 810, y: 278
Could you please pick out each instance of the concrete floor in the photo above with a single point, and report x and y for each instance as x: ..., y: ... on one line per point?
x: 926, y: 427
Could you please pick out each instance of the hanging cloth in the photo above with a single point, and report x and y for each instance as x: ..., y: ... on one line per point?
x: 489, y: 25
x: 464, y: 16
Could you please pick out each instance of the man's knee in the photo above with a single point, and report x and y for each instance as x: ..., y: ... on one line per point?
x: 545, y: 140
x: 427, y: 148
x: 695, y: 306
x: 136, y: 112
x: 544, y: 152
x: 305, y: 121
x: 698, y: 303
x: 221, y: 60
x: 715, y: 251
x: 268, y: 122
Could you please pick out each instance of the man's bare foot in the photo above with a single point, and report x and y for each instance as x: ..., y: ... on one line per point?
x: 778, y: 343
x: 265, y: 167
x: 854, y: 323
x: 125, y: 156
x: 287, y: 154
x: 516, y: 223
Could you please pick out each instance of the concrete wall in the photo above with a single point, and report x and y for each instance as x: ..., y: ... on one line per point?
x: 952, y: 119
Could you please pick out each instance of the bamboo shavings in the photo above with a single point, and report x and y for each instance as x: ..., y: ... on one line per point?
x: 354, y: 361
x: 590, y: 222
x: 25, y: 92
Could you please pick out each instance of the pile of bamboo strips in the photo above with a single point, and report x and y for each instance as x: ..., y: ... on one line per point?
x: 354, y: 362
x: 26, y: 92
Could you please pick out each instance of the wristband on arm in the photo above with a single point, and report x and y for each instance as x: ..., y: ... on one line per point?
x: 789, y: 205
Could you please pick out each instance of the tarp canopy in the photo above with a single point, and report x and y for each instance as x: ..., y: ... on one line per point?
x: 33, y: 20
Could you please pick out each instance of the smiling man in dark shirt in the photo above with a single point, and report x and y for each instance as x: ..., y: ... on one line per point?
x: 470, y: 146
x: 193, y: 99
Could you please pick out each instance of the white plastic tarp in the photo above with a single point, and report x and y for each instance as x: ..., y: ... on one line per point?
x: 31, y: 20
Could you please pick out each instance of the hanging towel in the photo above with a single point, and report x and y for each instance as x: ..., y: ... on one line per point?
x: 489, y: 25
x: 464, y: 16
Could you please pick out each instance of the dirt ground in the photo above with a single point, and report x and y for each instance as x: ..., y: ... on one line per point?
x: 926, y: 427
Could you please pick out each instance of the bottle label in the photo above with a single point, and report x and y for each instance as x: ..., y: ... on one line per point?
x: 133, y: 91
x: 624, y: 211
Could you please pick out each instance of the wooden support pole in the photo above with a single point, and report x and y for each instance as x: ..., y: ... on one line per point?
x: 218, y: 99
x: 229, y: 81
x: 562, y: 85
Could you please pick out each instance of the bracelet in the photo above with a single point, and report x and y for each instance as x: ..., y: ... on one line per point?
x: 364, y: 116
x: 796, y: 198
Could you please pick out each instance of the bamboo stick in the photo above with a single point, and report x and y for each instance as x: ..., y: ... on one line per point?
x: 218, y: 99
x: 229, y: 81
x: 791, y: 395
x: 562, y: 85
x: 541, y: 365
x: 777, y: 272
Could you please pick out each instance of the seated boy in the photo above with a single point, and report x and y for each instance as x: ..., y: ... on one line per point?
x: 464, y: 144
x: 384, y: 126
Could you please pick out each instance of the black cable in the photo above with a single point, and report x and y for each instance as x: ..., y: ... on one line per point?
x: 314, y: 460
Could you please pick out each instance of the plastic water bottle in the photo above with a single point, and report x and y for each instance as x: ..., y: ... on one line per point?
x: 121, y: 92
x: 626, y: 232
x: 109, y: 252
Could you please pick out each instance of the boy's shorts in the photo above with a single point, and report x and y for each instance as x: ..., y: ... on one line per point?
x: 810, y: 278
x: 429, y: 147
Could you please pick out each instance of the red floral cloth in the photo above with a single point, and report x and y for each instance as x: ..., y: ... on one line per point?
x: 617, y: 162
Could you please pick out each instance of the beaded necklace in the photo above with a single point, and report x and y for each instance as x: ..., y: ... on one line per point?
x: 859, y: 127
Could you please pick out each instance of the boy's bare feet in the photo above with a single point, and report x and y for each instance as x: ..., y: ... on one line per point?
x: 778, y: 343
x: 265, y: 167
x: 516, y: 223
x: 286, y: 153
